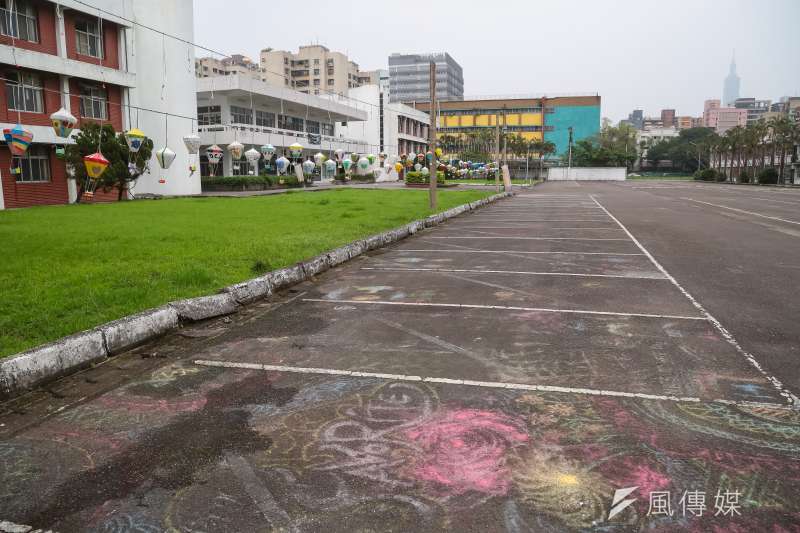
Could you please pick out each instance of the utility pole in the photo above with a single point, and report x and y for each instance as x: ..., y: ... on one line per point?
x: 432, y: 132
x: 497, y: 148
x: 569, y: 162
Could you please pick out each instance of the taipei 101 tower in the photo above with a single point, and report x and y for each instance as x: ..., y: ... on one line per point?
x: 730, y: 91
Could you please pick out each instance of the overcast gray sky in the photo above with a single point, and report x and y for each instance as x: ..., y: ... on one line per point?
x: 649, y: 54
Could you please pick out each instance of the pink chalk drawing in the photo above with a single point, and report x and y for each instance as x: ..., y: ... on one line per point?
x: 465, y: 450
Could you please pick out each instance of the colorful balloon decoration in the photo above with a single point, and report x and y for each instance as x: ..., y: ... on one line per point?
x: 330, y: 166
x: 95, y: 165
x: 438, y: 153
x: 192, y: 143
x: 346, y: 164
x: 319, y: 157
x: 417, y: 167
x: 398, y: 167
x: 214, y: 154
x: 18, y: 139
x: 371, y: 158
x: 135, y: 138
x: 295, y: 150
x: 165, y: 157
x: 363, y: 164
x: 63, y: 122
x: 308, y: 167
x: 281, y: 164
x: 425, y: 171
x: 236, y: 148
x: 412, y: 157
x: 354, y: 157
x: 339, y: 153
x: 252, y: 156
x: 429, y: 157
x: 268, y: 151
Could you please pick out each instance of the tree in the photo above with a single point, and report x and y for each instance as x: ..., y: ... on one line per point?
x: 613, y: 146
x: 124, y: 166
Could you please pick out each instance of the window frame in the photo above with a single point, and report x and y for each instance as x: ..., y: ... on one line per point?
x: 24, y: 90
x: 89, y: 36
x: 39, y: 154
x: 241, y: 112
x: 10, y: 24
x: 94, y: 97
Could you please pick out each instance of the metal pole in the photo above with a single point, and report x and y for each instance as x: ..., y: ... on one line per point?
x: 497, y: 147
x: 432, y: 133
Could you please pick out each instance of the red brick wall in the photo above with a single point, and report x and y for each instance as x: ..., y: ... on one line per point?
x: 29, y: 194
x: 114, y: 103
x: 46, y: 14
x: 110, y: 42
x: 51, y: 99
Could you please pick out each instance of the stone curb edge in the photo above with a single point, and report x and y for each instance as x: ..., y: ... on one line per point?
x: 26, y: 370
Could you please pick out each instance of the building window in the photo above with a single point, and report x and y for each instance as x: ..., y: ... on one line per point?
x: 290, y: 123
x: 330, y: 71
x: 265, y: 119
x: 87, y: 38
x: 330, y: 81
x: 312, y: 126
x: 24, y: 91
x: 316, y: 61
x: 34, y: 165
x: 316, y: 82
x: 94, y: 102
x: 241, y: 115
x: 316, y: 72
x: 209, y: 115
x: 327, y: 129
x: 18, y: 20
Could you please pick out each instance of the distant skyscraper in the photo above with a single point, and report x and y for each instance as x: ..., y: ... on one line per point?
x: 730, y: 91
x: 409, y: 77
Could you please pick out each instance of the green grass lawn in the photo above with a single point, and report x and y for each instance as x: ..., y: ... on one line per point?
x: 70, y: 268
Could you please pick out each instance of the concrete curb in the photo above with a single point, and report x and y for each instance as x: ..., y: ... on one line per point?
x: 21, y: 372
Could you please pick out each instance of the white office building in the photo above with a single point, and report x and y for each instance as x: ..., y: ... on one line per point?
x: 245, y: 110
x: 393, y: 128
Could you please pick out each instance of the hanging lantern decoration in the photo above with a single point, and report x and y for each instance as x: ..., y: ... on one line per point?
x: 438, y: 153
x: 308, y: 167
x: 417, y: 167
x: 387, y: 168
x: 330, y: 166
x: 135, y: 138
x: 429, y: 157
x: 398, y: 167
x: 319, y: 157
x: 354, y: 157
x: 165, y: 157
x: 363, y: 164
x: 295, y: 150
x: 252, y: 156
x: 214, y: 154
x: 346, y: 164
x: 236, y: 148
x: 382, y: 156
x: 421, y: 157
x: 192, y: 143
x: 281, y: 164
x: 371, y: 159
x: 63, y: 122
x: 267, y: 151
x: 95, y: 165
x: 412, y: 157
x: 425, y: 171
x: 339, y: 153
x: 18, y: 139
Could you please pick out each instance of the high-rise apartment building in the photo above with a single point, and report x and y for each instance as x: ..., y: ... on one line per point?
x: 755, y: 108
x: 721, y: 119
x: 668, y: 118
x: 409, y: 77
x: 314, y: 69
x: 209, y: 67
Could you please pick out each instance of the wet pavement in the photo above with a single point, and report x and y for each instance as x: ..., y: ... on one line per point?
x: 506, y: 371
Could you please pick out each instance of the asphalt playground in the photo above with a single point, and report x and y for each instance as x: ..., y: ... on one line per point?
x: 509, y: 370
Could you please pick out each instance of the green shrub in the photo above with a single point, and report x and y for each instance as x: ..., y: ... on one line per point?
x: 721, y: 177
x: 419, y: 177
x: 237, y: 181
x: 706, y: 174
x: 744, y: 177
x: 768, y: 176
x: 288, y: 180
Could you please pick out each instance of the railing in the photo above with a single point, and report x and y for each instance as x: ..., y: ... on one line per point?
x: 217, y: 128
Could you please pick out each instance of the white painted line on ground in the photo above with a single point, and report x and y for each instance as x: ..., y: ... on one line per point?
x: 470, y: 383
x: 508, y: 252
x: 790, y: 397
x: 522, y: 272
x: 743, y: 211
x: 530, y: 238
x: 501, y: 308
